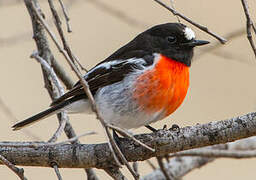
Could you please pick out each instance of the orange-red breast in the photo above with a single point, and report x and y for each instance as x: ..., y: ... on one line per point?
x: 142, y: 82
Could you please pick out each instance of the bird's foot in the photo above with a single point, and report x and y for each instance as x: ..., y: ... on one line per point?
x: 174, y: 127
x: 116, y: 139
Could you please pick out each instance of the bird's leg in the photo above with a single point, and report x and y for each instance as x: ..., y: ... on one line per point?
x: 174, y: 127
x: 151, y: 128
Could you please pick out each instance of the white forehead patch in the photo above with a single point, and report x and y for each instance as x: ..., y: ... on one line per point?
x: 189, y: 33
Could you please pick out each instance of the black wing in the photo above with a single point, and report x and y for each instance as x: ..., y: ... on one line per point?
x: 106, y: 73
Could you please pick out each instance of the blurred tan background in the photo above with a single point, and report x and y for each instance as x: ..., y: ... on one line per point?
x: 221, y: 86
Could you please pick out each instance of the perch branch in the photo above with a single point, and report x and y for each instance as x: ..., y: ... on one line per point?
x: 164, y: 141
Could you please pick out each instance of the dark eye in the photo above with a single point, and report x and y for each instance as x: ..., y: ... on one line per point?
x: 171, y: 39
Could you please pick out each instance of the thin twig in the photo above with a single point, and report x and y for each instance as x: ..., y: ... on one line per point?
x: 91, y: 175
x: 18, y: 171
x: 124, y: 132
x: 135, y: 167
x: 64, y: 9
x: 62, y: 123
x: 50, y: 73
x: 217, y: 153
x: 203, y: 28
x: 63, y: 39
x: 151, y: 164
x: 56, y: 169
x: 60, y: 72
x: 161, y: 165
x: 173, y: 7
x: 249, y: 25
x: 120, y: 154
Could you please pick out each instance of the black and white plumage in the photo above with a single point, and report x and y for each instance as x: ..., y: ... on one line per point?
x: 111, y: 81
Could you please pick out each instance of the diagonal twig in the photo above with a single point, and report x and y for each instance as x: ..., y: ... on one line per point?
x: 50, y: 73
x: 61, y: 33
x: 123, y: 132
x: 64, y: 10
x: 203, y: 28
x: 57, y: 172
x: 167, y: 175
x: 18, y: 171
x: 151, y: 164
x: 249, y: 26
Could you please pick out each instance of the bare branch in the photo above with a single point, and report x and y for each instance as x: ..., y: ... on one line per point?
x: 18, y: 171
x: 123, y: 132
x: 180, y: 166
x: 64, y: 9
x: 216, y: 153
x: 63, y: 118
x: 203, y: 28
x: 151, y: 164
x: 56, y: 169
x: 135, y: 167
x: 164, y: 141
x: 49, y: 70
x: 249, y: 25
x: 64, y: 77
x: 61, y: 33
x: 91, y: 174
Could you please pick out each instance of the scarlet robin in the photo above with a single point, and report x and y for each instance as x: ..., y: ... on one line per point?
x: 142, y: 82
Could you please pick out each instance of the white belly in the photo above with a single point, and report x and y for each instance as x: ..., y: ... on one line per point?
x: 116, y: 106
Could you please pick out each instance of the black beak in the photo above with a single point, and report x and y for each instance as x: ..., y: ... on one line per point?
x: 194, y: 43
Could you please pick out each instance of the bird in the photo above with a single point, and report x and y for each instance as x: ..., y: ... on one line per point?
x: 144, y: 81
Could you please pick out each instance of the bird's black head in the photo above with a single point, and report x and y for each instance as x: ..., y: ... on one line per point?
x: 173, y: 40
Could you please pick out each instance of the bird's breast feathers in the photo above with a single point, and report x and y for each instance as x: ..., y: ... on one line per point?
x: 162, y: 87
x: 148, y: 93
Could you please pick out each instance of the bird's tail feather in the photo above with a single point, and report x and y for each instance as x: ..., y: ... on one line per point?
x: 44, y: 114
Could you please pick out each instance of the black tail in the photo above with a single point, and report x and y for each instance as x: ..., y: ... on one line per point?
x: 48, y: 112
